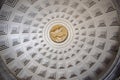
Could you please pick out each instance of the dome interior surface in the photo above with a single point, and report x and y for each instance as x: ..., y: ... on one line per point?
x: 86, y: 51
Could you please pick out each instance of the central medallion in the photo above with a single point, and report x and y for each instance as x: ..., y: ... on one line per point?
x: 58, y: 33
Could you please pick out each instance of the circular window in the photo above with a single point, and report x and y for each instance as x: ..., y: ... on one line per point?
x: 58, y: 33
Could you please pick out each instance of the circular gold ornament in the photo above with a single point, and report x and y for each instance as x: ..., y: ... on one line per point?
x: 58, y: 33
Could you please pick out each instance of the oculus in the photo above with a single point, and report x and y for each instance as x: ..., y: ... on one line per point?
x: 58, y: 33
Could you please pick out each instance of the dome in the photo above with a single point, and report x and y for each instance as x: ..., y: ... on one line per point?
x: 59, y: 39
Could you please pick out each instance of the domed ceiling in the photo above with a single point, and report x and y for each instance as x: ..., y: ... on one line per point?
x: 59, y: 39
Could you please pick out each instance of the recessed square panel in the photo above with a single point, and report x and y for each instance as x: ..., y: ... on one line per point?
x: 11, y: 3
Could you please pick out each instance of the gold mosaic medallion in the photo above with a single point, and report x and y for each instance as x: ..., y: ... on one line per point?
x: 58, y: 33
